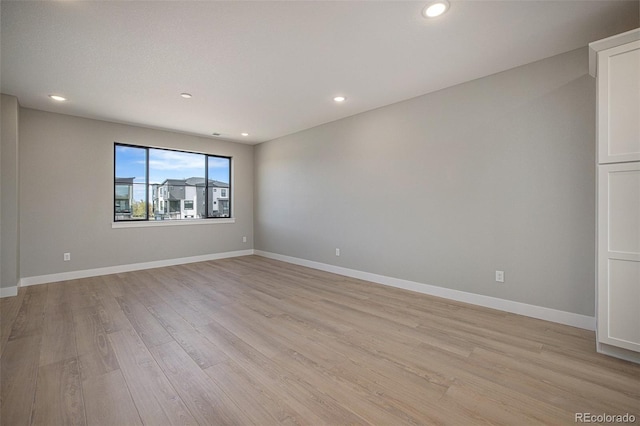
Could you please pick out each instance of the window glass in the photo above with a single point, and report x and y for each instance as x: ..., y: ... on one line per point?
x: 219, y: 174
x: 130, y: 183
x: 173, y: 184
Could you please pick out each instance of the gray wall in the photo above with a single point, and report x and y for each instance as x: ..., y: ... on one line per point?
x: 9, y: 207
x: 446, y: 188
x: 66, y: 172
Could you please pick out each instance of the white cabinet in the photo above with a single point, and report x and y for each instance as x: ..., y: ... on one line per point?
x: 615, y: 62
x: 618, y: 313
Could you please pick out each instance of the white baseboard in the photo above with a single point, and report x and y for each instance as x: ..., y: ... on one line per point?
x: 8, y: 291
x: 616, y: 352
x: 73, y: 275
x: 539, y: 312
x: 548, y: 314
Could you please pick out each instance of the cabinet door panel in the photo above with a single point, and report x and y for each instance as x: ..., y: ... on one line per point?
x: 624, y: 198
x: 624, y: 300
x: 619, y: 103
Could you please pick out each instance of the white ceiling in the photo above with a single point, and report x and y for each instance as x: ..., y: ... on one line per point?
x: 272, y: 68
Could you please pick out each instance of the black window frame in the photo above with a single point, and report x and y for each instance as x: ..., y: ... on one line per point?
x: 148, y: 202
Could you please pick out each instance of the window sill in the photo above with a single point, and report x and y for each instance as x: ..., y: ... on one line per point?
x: 182, y: 222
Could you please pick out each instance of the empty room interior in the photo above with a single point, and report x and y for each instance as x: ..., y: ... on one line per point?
x: 320, y: 212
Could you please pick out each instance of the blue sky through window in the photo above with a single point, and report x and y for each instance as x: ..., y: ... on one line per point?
x: 164, y: 164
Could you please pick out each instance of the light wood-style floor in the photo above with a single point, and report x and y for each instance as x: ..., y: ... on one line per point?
x: 255, y: 341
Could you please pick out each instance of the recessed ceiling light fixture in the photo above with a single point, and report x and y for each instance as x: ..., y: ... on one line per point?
x: 186, y: 95
x: 58, y: 98
x: 435, y: 8
x: 244, y: 134
x: 339, y: 99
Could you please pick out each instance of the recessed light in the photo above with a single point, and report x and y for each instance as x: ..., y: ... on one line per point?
x: 186, y: 95
x: 58, y: 98
x: 435, y: 8
x: 244, y: 134
x: 339, y: 99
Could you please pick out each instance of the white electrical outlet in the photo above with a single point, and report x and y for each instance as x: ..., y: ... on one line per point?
x: 500, y: 276
x: 244, y: 239
x: 337, y: 252
x: 67, y: 257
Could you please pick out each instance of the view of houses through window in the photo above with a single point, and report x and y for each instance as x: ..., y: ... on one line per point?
x: 162, y: 184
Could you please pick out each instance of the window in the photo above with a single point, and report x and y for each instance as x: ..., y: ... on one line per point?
x: 159, y: 184
x: 174, y: 206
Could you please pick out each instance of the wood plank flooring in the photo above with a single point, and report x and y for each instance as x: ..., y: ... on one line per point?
x: 255, y: 341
